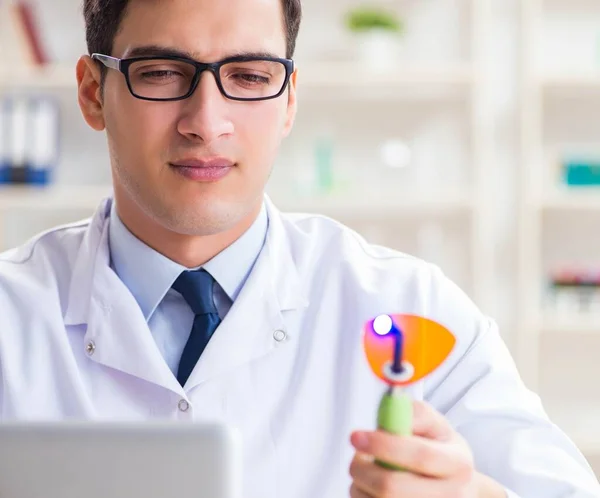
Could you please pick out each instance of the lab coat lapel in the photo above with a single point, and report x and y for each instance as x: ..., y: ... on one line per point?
x: 248, y: 331
x: 117, y: 334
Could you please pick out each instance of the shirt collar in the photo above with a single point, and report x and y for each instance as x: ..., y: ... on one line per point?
x: 232, y: 266
x: 132, y: 260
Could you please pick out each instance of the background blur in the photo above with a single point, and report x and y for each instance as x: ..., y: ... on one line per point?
x: 466, y: 132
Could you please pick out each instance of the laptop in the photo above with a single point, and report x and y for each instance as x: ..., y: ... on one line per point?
x: 119, y: 460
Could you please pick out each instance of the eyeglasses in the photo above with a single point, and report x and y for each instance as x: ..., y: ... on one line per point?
x: 169, y: 78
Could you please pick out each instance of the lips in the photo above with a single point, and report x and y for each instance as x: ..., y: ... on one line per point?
x: 203, y: 170
x: 217, y: 162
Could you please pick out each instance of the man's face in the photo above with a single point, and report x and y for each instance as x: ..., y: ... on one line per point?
x: 146, y: 139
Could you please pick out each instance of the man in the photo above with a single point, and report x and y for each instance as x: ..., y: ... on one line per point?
x: 189, y: 296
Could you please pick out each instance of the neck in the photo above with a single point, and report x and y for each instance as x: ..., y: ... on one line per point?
x: 190, y: 251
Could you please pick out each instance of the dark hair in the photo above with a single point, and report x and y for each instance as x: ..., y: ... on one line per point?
x: 103, y: 19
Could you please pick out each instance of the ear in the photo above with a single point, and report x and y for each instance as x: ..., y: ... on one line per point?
x: 292, y: 106
x: 89, y: 92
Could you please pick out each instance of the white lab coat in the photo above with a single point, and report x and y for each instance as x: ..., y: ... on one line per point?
x: 74, y: 344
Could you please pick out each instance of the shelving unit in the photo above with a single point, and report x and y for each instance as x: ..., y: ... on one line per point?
x: 426, y: 86
x: 555, y: 351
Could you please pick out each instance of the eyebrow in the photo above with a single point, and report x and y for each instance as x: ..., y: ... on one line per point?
x: 159, y: 51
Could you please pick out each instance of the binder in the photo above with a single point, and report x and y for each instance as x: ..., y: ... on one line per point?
x: 18, y: 139
x: 5, y: 113
x: 43, y: 147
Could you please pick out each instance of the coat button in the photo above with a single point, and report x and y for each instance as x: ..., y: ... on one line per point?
x: 90, y: 348
x: 183, y: 405
x: 279, y: 335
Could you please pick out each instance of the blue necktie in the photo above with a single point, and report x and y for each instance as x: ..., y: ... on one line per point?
x: 196, y: 287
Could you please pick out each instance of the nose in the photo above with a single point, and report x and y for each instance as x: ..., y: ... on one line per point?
x: 205, y: 116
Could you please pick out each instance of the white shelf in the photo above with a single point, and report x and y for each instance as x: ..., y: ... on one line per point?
x: 43, y: 78
x: 319, y: 76
x: 52, y: 198
x: 571, y: 81
x: 365, y: 207
x: 577, y: 199
x: 351, y: 75
x: 326, y: 81
x: 76, y: 197
x: 559, y: 324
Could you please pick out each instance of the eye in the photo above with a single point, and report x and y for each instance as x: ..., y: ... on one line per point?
x: 160, y: 71
x: 251, y: 78
x: 160, y: 74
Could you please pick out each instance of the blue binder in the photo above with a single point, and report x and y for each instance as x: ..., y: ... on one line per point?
x: 5, y: 112
x: 43, y: 147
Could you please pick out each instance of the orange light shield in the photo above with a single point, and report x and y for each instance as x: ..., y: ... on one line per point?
x: 426, y: 344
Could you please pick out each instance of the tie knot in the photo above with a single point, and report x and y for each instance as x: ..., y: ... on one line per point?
x: 196, y: 287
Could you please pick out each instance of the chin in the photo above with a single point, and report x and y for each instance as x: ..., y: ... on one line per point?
x: 209, y: 217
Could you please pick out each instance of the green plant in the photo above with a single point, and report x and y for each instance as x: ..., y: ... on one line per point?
x: 363, y: 19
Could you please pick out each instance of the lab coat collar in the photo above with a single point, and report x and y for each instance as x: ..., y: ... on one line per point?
x: 288, y: 286
x: 118, y: 329
x: 249, y: 329
x: 80, y: 289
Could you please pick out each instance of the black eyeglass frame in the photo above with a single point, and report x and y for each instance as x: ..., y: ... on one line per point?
x: 123, y: 66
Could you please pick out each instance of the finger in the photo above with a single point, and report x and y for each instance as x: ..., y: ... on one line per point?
x: 366, y: 476
x: 430, y: 423
x: 356, y: 492
x: 416, y: 454
x: 375, y: 482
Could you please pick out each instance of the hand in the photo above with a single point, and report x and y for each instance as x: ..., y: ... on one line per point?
x: 438, y: 462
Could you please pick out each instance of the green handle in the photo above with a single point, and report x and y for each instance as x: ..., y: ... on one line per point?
x: 395, y: 415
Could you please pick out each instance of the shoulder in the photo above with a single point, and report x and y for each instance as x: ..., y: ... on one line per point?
x: 338, y: 258
x: 335, y: 246
x: 416, y: 285
x: 41, y: 267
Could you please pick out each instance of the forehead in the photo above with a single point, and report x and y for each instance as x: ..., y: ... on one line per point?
x: 209, y: 29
